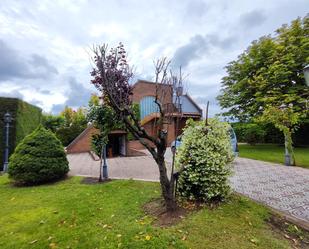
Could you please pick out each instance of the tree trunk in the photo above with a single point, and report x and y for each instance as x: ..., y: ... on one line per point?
x: 167, y: 185
x: 289, y: 153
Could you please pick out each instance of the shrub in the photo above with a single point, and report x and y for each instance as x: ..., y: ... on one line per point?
x: 39, y: 158
x: 253, y: 134
x: 204, y: 157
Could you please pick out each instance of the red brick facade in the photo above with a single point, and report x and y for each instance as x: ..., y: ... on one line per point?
x: 83, y: 142
x: 141, y: 89
x: 145, y: 88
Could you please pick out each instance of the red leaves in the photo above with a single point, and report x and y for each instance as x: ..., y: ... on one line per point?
x: 112, y: 75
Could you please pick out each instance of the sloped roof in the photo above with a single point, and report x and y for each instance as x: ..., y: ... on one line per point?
x: 84, y: 133
x: 188, y: 105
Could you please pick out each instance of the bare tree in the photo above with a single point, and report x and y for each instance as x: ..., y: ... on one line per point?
x: 111, y: 76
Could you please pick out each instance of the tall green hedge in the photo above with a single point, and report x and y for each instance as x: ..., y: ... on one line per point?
x: 267, y: 133
x: 26, y: 118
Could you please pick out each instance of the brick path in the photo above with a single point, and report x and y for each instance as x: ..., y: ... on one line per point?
x: 280, y: 187
x: 283, y: 188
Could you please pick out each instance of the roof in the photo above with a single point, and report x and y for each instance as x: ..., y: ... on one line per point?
x: 188, y: 105
x: 84, y: 133
x: 139, y: 81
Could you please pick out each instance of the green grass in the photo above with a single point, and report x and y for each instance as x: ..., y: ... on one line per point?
x: 73, y: 215
x: 273, y: 153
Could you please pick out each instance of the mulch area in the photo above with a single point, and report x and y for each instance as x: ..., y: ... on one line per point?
x: 163, y: 218
x: 94, y: 180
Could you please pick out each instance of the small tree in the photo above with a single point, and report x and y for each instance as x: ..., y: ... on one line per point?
x: 285, y: 119
x: 204, y: 158
x: 111, y: 76
x: 39, y: 158
x: 105, y: 120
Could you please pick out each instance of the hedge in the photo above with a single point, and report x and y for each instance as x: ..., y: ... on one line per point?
x: 267, y: 133
x: 26, y: 118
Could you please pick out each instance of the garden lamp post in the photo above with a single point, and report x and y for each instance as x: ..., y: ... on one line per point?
x: 306, y: 74
x: 7, y: 120
x: 103, y: 165
x: 105, y: 173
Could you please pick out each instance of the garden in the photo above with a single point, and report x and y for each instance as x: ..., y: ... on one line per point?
x: 42, y: 208
x: 70, y: 214
x: 191, y: 207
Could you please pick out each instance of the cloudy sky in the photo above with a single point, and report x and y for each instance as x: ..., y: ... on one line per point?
x: 45, y: 44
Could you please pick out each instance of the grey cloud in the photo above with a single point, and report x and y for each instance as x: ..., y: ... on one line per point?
x: 40, y: 61
x: 14, y: 65
x: 12, y: 94
x: 46, y: 92
x: 252, y: 18
x: 199, y: 46
x: 78, y: 95
x: 10, y: 64
x: 57, y: 108
x: 194, y: 49
x: 222, y: 43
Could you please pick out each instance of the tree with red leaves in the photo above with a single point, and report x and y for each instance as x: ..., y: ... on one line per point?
x: 111, y: 75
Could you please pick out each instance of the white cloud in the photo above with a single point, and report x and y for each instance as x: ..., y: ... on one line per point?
x: 58, y: 35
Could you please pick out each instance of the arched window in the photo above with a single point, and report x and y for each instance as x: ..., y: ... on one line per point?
x: 148, y: 106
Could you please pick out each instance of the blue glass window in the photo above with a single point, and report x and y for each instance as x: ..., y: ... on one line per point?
x: 148, y: 106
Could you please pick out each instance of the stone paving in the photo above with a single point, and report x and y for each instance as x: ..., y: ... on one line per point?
x: 138, y: 168
x: 280, y: 187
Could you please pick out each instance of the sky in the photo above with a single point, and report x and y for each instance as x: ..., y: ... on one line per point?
x: 45, y: 46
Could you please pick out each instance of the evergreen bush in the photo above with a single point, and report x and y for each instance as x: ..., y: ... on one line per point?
x: 204, y: 158
x: 39, y: 158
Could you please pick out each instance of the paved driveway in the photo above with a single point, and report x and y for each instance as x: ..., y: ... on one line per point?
x: 283, y: 188
x: 138, y: 168
x: 280, y: 187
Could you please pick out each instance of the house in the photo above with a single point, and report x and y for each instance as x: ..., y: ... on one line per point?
x: 144, y: 93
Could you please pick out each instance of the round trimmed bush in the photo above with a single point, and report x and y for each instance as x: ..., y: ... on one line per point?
x: 38, y: 158
x: 204, y: 157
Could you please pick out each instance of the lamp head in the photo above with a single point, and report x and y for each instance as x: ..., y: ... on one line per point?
x: 7, y: 117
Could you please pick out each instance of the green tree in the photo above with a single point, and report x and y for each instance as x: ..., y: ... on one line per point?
x: 52, y: 122
x: 269, y: 72
x: 67, y: 125
x: 285, y: 119
x: 104, y: 118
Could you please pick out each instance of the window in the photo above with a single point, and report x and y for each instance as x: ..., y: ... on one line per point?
x: 148, y: 106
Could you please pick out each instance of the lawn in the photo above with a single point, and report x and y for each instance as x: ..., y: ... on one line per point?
x: 69, y: 214
x: 273, y: 153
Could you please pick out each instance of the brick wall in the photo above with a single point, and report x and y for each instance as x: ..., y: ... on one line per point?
x: 145, y: 88
x: 83, y: 142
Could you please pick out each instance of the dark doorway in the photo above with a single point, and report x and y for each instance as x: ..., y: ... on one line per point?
x: 115, y: 145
